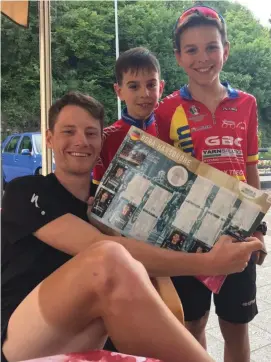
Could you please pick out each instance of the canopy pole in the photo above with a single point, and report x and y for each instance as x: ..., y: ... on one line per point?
x: 45, y: 79
x: 117, y: 47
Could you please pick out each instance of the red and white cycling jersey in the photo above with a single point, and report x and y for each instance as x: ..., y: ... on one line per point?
x: 226, y: 140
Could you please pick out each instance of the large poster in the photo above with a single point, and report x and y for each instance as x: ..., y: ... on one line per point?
x: 159, y: 194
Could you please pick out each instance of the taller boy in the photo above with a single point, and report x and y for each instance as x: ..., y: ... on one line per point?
x: 218, y: 125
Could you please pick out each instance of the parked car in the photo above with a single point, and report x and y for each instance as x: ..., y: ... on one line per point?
x: 21, y: 155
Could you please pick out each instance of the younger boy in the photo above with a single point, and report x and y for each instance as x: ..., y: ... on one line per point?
x: 218, y: 125
x: 139, y: 86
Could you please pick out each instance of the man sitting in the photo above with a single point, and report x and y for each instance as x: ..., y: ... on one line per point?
x: 65, y: 285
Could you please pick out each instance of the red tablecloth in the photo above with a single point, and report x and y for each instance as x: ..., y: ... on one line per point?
x: 94, y: 356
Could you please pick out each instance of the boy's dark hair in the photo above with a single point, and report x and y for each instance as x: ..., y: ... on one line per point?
x: 195, y: 20
x: 136, y: 59
x: 90, y: 104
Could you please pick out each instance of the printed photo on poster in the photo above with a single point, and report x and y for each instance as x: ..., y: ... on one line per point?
x: 102, y: 201
x: 175, y: 240
x: 115, y: 177
x: 198, y: 247
x: 122, y: 214
x: 132, y: 154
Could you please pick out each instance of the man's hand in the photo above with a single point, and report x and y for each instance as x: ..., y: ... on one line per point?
x: 231, y: 256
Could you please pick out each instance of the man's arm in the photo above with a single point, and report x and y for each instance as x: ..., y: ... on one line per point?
x: 253, y: 178
x: 72, y: 235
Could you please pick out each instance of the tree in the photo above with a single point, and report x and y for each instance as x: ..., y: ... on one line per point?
x: 83, y: 54
x: 20, y: 73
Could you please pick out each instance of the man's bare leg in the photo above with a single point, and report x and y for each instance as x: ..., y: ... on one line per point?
x: 236, y: 339
x: 101, y: 290
x: 197, y: 329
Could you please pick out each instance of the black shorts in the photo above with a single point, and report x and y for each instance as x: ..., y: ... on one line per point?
x: 235, y: 303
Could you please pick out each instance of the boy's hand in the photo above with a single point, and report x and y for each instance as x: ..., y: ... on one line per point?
x: 231, y: 256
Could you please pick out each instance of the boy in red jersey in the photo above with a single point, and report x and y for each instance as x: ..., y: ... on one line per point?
x: 218, y: 125
x: 139, y: 86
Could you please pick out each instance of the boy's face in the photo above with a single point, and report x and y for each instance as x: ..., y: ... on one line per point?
x: 202, y: 54
x: 104, y: 196
x: 176, y: 238
x: 141, y: 92
x: 119, y: 172
x: 126, y: 210
x: 76, y: 140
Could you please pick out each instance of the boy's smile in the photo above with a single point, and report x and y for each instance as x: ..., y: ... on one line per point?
x: 202, y: 54
x: 204, y: 70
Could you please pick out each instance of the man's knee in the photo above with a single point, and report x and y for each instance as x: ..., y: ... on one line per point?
x: 113, y: 269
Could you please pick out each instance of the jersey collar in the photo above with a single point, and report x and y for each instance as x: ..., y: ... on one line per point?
x: 136, y: 122
x: 232, y: 93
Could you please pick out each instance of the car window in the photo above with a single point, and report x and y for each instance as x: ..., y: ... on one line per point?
x: 37, y: 141
x: 26, y: 143
x: 12, y: 144
x: 5, y: 142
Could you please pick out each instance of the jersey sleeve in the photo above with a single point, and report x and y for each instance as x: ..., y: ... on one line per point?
x: 98, y: 172
x: 163, y: 121
x: 27, y: 206
x: 252, y: 136
x: 104, y: 160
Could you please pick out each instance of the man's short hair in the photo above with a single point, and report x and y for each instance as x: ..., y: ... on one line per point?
x: 88, y: 103
x: 196, y: 20
x: 136, y: 59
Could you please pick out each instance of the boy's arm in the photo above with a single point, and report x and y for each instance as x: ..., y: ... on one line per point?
x: 253, y: 178
x: 252, y: 148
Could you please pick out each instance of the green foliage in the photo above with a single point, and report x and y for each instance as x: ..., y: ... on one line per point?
x: 83, y: 54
